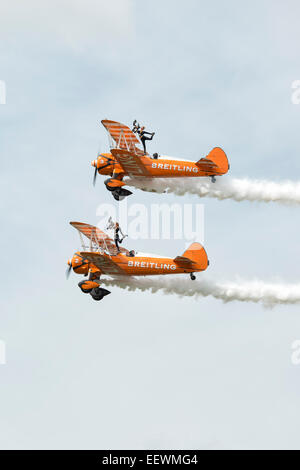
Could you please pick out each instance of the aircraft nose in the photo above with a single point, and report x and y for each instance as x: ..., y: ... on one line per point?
x: 69, y: 269
x: 96, y: 163
x: 73, y: 262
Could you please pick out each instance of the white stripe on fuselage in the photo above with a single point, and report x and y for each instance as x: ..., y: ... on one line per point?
x: 162, y: 157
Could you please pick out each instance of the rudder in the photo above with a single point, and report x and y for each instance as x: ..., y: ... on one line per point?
x: 219, y: 160
x: 197, y: 254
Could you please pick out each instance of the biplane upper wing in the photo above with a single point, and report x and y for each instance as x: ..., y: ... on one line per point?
x: 103, y: 262
x: 122, y: 135
x: 130, y: 162
x: 126, y: 152
x: 98, y: 237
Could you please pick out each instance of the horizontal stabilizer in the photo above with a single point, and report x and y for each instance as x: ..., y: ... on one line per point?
x: 182, y: 260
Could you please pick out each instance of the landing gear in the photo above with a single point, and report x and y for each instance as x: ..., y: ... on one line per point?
x: 87, y: 286
x: 98, y: 293
x: 213, y: 179
x: 192, y: 276
x: 92, y: 287
x: 114, y: 185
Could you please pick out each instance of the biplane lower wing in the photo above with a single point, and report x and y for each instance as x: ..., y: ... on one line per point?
x: 103, y: 262
x: 215, y: 163
x: 130, y: 162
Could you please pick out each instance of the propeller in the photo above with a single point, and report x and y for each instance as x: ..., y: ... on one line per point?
x: 69, y: 269
x: 96, y: 161
x: 95, y: 174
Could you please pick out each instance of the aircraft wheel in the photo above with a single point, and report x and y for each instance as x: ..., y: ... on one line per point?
x: 98, y: 293
x: 193, y: 277
x: 213, y: 179
x: 116, y: 195
x: 95, y: 297
x: 120, y: 193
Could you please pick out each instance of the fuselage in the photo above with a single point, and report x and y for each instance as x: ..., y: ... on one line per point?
x: 162, y: 167
x: 138, y: 265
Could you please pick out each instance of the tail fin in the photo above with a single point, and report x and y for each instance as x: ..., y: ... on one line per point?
x: 215, y: 163
x: 194, y: 257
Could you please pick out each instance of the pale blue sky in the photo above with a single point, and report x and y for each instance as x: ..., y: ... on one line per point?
x: 140, y: 370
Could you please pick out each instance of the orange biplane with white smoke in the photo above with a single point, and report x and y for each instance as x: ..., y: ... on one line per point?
x: 101, y: 257
x: 126, y: 159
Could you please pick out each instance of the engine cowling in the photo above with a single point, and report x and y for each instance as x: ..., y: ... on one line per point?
x: 79, y: 264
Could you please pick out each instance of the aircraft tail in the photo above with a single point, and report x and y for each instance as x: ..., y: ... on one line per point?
x: 215, y: 163
x: 194, y: 257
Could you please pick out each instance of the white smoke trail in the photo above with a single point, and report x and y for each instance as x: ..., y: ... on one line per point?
x: 269, y: 294
x: 224, y: 188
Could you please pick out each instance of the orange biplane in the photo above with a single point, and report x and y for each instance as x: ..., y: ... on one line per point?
x: 101, y: 256
x: 127, y: 159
